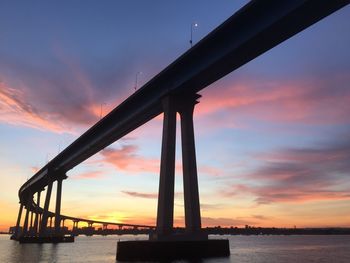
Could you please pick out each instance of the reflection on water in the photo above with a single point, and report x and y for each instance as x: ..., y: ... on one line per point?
x: 30, y: 252
x: 244, y: 249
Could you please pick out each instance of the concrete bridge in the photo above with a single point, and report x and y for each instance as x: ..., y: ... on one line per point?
x: 256, y: 28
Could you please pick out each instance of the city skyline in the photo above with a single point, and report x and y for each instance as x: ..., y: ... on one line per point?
x: 272, y: 137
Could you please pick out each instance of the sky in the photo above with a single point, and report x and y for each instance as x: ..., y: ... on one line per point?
x: 272, y: 138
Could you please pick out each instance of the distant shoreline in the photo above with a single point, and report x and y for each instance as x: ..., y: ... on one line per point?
x: 248, y: 230
x: 234, y: 231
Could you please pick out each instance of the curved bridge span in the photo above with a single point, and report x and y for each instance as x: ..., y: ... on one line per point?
x: 256, y: 28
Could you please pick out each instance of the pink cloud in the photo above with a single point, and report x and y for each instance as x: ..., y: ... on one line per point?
x: 321, y: 101
x: 210, y: 170
x: 16, y: 110
x: 66, y: 99
x: 89, y: 175
x: 19, y: 109
x: 141, y: 195
x: 127, y: 159
x: 300, y: 175
x: 287, y: 194
x: 84, y: 86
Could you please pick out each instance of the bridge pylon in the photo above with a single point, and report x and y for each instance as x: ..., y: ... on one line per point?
x: 165, y: 243
x: 184, y: 106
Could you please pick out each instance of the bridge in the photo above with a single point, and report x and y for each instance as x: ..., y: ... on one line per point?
x: 254, y: 29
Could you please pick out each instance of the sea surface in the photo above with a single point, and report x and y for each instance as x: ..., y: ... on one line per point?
x: 244, y: 249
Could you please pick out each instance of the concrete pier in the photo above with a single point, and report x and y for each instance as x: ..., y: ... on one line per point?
x: 45, y: 216
x: 164, y: 243
x: 171, y: 250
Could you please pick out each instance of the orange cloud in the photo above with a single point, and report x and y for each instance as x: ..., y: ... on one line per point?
x: 16, y: 110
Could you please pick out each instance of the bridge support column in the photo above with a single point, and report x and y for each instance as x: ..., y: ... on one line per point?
x: 40, y: 220
x: 75, y: 227
x: 58, y: 207
x: 165, y: 244
x: 26, y: 219
x: 189, y: 167
x: 31, y: 223
x: 185, y: 107
x: 18, y: 223
x: 43, y: 225
x: 165, y: 210
x: 37, y: 215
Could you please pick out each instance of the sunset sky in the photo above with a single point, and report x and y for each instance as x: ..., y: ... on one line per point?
x: 272, y: 138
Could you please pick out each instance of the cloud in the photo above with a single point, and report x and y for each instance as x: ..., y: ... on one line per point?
x: 16, y: 110
x: 126, y: 159
x: 208, y: 207
x: 122, y: 217
x: 71, y: 96
x: 261, y: 217
x: 210, y: 170
x: 141, y: 195
x: 140, y: 220
x: 89, y: 175
x: 60, y: 96
x: 310, y: 101
x: 20, y: 109
x: 301, y: 175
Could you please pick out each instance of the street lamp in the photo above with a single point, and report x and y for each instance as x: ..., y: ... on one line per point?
x: 136, y: 78
x: 193, y: 25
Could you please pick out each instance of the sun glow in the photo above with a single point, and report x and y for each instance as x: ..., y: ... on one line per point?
x: 112, y: 217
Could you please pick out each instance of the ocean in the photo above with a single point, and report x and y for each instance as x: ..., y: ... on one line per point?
x: 244, y: 249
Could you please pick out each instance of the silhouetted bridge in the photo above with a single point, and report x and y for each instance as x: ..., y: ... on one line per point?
x: 254, y: 29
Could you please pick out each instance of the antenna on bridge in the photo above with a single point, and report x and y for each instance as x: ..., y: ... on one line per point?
x: 136, y: 79
x: 193, y: 25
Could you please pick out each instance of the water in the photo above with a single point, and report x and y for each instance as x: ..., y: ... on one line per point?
x: 244, y: 249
